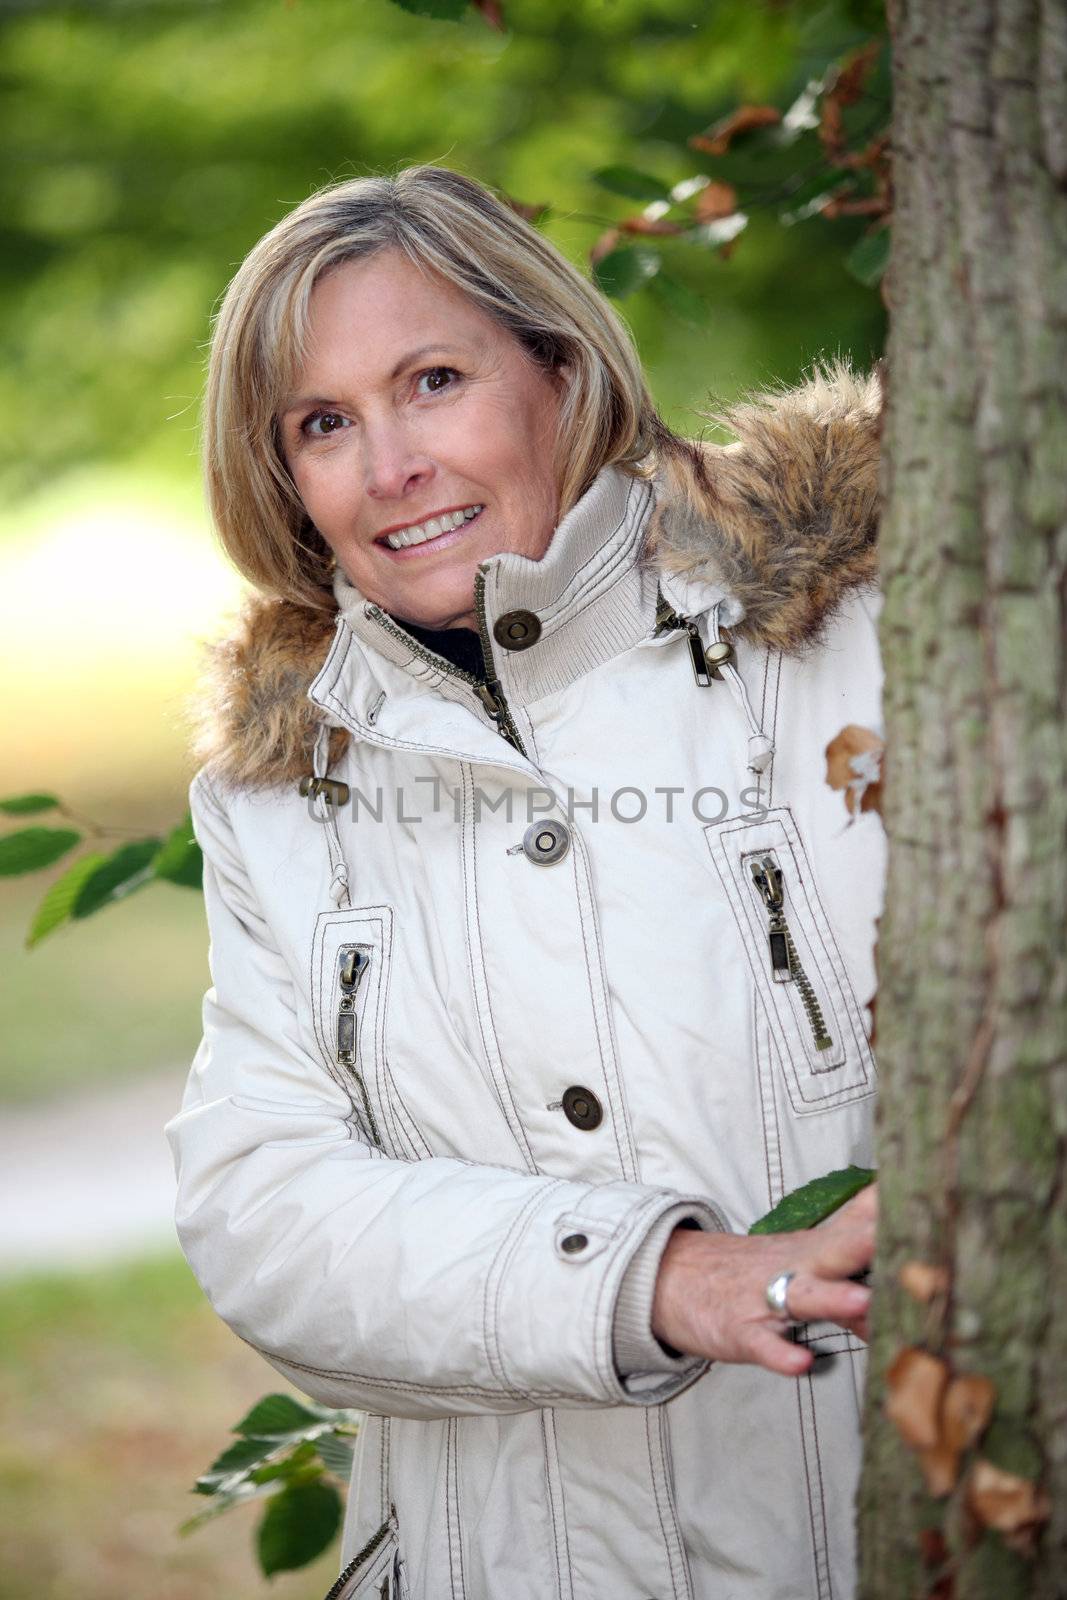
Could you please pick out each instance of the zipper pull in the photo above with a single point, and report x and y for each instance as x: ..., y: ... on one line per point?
x: 767, y: 877
x: 666, y: 619
x: 352, y: 964
x: 786, y: 965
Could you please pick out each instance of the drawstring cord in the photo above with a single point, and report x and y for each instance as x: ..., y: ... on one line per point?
x: 326, y: 811
x: 760, y: 745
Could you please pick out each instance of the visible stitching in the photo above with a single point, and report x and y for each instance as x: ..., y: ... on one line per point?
x: 774, y: 726
x: 383, y: 1465
x: 668, y: 1484
x: 834, y: 955
x: 608, y: 1283
x: 549, y: 1479
x: 482, y: 1007
x: 822, y: 1494
x: 842, y: 1094
x: 574, y: 595
x: 449, y: 1446
x: 501, y: 1261
x: 815, y: 1557
x: 628, y: 1168
x: 440, y: 1390
x: 772, y: 1138
x: 459, y: 1505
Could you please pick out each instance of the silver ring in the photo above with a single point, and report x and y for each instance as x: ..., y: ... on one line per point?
x: 778, y: 1295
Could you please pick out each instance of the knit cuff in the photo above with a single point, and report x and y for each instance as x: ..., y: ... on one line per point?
x: 636, y: 1348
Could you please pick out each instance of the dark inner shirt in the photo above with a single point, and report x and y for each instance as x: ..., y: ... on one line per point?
x: 460, y: 646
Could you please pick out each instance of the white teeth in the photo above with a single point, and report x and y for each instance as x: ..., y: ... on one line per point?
x: 431, y: 529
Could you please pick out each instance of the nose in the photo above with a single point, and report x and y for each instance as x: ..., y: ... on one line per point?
x: 395, y: 463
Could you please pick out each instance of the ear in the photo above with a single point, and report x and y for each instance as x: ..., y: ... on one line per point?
x: 563, y: 373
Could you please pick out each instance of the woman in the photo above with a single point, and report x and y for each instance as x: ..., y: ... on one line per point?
x: 539, y: 945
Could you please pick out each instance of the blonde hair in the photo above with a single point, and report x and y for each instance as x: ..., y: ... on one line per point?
x: 451, y: 225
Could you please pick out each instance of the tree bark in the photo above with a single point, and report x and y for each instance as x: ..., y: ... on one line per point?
x: 972, y: 1006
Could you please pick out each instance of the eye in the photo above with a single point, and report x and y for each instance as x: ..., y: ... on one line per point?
x: 331, y: 421
x: 432, y: 375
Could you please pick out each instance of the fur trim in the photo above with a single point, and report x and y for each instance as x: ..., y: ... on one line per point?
x: 254, y: 723
x: 786, y: 519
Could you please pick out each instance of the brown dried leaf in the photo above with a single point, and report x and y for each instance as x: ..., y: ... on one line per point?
x: 922, y: 1281
x: 1014, y: 1507
x: 854, y: 764
x: 604, y: 246
x: 932, y: 1547
x: 716, y: 200
x: 492, y: 11
x: 852, y: 75
x: 716, y: 139
x: 940, y: 1469
x: 916, y: 1382
x: 657, y: 225
x: 966, y: 1409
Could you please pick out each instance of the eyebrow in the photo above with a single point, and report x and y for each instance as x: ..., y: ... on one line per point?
x: 299, y: 402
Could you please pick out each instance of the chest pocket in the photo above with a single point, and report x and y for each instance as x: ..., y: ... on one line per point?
x: 351, y: 961
x: 801, y: 982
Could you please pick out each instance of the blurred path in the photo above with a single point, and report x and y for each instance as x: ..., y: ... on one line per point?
x: 89, y: 1177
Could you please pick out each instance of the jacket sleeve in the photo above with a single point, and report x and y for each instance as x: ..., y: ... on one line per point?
x: 410, y: 1288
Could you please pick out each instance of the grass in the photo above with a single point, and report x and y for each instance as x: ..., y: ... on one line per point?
x: 118, y: 1387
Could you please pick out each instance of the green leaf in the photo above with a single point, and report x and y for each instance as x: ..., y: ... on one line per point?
x: 335, y: 1453
x: 24, y: 805
x: 299, y: 1464
x: 443, y: 10
x: 278, y: 1415
x: 721, y: 231
x: 631, y: 183
x: 129, y: 868
x: 30, y: 849
x: 624, y: 270
x: 180, y: 860
x: 58, y: 903
x: 679, y: 299
x: 234, y: 1464
x: 868, y: 260
x: 297, y: 1526
x: 814, y: 1201
x: 238, y: 1496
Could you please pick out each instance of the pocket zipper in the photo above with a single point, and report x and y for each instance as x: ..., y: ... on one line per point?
x: 352, y: 964
x: 357, y: 1560
x: 786, y: 965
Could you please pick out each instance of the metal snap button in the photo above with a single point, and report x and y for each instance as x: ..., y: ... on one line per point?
x: 545, y: 843
x: 574, y: 1243
x: 719, y: 654
x: 582, y: 1108
x: 517, y: 630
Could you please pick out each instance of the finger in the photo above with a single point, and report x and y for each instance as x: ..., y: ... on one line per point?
x: 814, y: 1299
x: 769, y: 1349
x: 840, y: 1251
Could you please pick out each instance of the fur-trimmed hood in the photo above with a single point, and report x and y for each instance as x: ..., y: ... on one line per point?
x: 785, y: 519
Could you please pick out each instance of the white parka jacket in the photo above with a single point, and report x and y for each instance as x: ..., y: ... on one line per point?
x: 492, y: 1018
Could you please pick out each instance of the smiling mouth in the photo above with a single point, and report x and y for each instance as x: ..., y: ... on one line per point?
x: 432, y: 531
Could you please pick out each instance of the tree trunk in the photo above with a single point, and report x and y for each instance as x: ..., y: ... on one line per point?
x: 972, y: 1008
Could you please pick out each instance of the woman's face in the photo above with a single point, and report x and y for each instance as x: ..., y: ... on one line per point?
x: 414, y: 404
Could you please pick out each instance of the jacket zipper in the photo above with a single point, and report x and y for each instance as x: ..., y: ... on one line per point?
x: 668, y: 620
x: 360, y: 1556
x: 786, y: 965
x: 352, y: 964
x: 490, y: 693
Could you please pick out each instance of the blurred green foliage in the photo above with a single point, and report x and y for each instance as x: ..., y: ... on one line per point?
x: 151, y: 142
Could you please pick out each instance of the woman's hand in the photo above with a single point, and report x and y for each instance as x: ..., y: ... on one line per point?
x: 711, y: 1289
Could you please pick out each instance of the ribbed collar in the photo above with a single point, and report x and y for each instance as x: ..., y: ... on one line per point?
x: 590, y: 592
